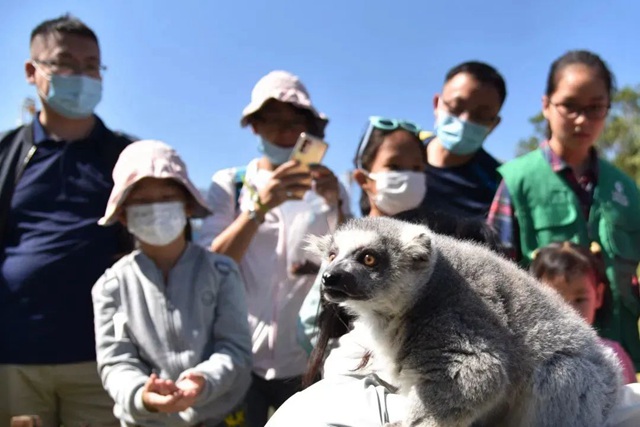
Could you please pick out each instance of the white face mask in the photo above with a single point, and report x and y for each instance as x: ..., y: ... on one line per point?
x: 398, y: 191
x: 157, y: 224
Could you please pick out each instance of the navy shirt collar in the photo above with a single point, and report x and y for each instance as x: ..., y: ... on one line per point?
x: 40, y: 134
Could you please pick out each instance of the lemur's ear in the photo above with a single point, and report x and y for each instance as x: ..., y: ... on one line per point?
x: 318, y: 245
x: 419, y: 248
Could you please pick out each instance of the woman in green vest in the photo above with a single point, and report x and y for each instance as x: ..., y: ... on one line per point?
x: 564, y: 191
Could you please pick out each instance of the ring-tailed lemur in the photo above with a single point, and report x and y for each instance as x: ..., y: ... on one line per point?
x: 472, y: 338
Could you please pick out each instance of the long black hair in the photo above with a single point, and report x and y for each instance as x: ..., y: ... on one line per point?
x: 579, y: 57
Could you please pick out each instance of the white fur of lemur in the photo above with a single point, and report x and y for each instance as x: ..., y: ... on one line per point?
x: 472, y: 339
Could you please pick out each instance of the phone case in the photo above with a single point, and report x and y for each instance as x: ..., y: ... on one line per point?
x: 309, y: 149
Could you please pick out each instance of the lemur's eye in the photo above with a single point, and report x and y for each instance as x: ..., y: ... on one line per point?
x: 332, y: 256
x: 369, y: 260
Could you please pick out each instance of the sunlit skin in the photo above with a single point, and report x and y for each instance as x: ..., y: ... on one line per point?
x: 398, y: 152
x: 82, y: 53
x: 470, y: 100
x: 580, y: 86
x: 581, y: 292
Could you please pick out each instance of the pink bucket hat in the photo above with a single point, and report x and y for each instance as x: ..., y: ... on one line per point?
x: 281, y: 86
x: 148, y: 159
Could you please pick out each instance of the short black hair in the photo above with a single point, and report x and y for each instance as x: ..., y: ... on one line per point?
x: 484, y: 73
x: 65, y: 24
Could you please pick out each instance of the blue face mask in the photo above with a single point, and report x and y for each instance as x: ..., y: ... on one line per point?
x: 276, y: 155
x: 459, y: 136
x: 74, y: 96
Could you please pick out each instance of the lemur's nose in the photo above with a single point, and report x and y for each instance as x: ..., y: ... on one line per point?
x: 337, y: 279
x: 340, y: 284
x: 331, y: 279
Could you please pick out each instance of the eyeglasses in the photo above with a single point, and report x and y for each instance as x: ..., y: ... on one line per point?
x: 458, y: 110
x: 383, y: 123
x: 572, y: 111
x: 64, y: 68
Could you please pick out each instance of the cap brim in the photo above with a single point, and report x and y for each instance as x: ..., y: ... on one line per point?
x: 254, y: 107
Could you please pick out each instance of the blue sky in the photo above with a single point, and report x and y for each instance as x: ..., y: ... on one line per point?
x: 182, y: 71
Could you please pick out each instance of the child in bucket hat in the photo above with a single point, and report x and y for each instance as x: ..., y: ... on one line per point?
x: 172, y: 339
x: 150, y: 160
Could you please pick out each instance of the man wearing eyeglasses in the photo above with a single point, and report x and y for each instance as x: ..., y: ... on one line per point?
x: 55, y: 179
x: 461, y: 176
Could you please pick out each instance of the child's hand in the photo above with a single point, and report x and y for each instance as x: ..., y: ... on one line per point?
x: 288, y: 182
x: 192, y: 384
x: 164, y: 396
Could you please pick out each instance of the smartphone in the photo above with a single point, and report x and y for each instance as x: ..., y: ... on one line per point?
x: 309, y: 149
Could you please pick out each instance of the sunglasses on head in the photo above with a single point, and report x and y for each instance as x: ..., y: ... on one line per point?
x: 386, y: 124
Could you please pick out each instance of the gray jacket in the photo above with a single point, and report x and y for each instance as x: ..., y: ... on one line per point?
x: 197, y: 321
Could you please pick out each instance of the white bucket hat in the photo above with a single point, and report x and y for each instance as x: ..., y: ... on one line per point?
x: 148, y: 159
x: 284, y: 87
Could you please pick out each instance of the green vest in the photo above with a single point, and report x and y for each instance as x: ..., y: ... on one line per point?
x: 547, y: 210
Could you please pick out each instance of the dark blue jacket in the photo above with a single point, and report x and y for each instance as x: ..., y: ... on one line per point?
x: 17, y: 149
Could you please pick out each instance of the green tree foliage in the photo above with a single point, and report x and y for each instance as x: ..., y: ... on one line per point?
x: 620, y: 141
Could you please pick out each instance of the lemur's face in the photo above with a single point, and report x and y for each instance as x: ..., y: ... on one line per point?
x: 372, y: 261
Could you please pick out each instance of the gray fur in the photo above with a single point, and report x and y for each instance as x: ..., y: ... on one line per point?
x: 473, y: 339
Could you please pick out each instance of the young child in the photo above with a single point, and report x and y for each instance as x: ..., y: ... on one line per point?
x: 172, y: 338
x: 578, y: 274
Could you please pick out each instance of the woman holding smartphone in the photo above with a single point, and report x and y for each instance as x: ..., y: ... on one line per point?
x: 256, y: 208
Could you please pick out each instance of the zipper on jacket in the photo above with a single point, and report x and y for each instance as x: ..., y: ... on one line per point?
x: 169, y: 308
x: 26, y: 160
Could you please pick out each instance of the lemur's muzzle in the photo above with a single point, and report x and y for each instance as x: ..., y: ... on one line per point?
x: 340, y: 285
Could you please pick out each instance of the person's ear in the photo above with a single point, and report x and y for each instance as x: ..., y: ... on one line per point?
x: 362, y: 179
x: 436, y: 101
x: 30, y: 72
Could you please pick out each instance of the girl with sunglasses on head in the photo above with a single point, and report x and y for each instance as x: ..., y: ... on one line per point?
x: 577, y: 273
x: 390, y: 162
x: 564, y: 191
x: 390, y: 165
